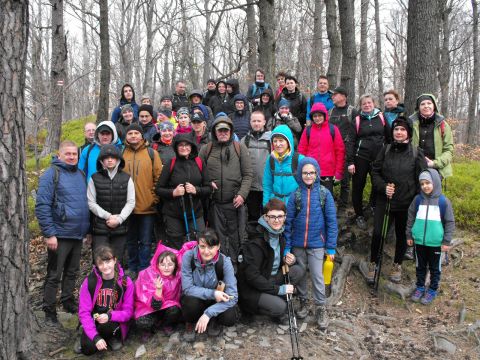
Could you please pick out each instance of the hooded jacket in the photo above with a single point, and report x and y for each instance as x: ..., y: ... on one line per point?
x: 116, y: 113
x: 425, y: 225
x: 218, y: 102
x: 259, y: 150
x: 267, y: 109
x: 138, y: 165
x: 89, y: 166
x: 122, y: 313
x: 443, y: 141
x: 317, y: 97
x: 241, y: 118
x: 201, y: 281
x: 281, y: 183
x: 69, y: 217
x: 229, y: 105
x: 298, y: 104
x: 165, y: 151
x: 231, y: 173
x: 311, y: 227
x: 185, y: 170
x: 172, y: 285
x: 329, y: 152
x: 207, y: 114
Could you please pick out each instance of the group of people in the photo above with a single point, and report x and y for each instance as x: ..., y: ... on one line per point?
x: 233, y: 187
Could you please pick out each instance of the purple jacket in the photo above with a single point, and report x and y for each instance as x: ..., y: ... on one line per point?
x: 122, y: 313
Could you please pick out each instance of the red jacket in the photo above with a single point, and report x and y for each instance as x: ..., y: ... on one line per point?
x: 329, y: 152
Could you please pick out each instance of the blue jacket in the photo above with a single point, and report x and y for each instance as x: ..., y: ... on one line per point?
x: 322, y: 230
x: 325, y: 99
x: 116, y: 113
x: 202, y: 281
x: 70, y: 217
x: 280, y: 185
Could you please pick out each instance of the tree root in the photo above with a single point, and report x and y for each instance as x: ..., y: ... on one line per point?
x: 404, y: 291
x: 339, y: 279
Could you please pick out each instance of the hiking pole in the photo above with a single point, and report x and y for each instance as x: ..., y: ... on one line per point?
x: 195, y: 229
x: 292, y: 321
x: 378, y: 265
x: 182, y: 202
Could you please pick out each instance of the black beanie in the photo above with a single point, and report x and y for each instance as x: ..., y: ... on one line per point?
x: 136, y: 127
x: 425, y: 97
x: 109, y: 150
x: 404, y: 122
x: 146, y: 107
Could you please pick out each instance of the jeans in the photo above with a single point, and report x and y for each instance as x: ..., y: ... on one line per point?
x: 139, y: 241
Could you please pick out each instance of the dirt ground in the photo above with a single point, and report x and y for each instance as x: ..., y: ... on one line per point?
x: 362, y: 326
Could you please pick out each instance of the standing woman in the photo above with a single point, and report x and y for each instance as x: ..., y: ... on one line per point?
x: 433, y: 135
x: 163, y: 140
x: 393, y: 108
x: 370, y: 133
x: 217, y: 101
x: 127, y: 97
x: 395, y: 173
x: 184, y: 181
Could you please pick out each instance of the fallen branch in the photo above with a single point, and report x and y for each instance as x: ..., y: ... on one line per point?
x: 59, y: 350
x: 339, y: 279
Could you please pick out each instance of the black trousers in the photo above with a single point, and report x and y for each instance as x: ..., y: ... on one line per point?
x: 193, y: 308
x: 107, y: 331
x: 254, y: 205
x: 359, y: 179
x: 400, y: 219
x: 175, y: 230
x: 164, y: 317
x: 115, y: 242
x: 428, y: 257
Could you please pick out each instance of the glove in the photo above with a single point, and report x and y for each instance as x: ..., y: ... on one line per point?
x: 282, y: 290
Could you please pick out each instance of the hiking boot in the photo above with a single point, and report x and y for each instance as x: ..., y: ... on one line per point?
x: 189, y: 334
x: 429, y: 297
x: 396, y: 273
x: 361, y: 222
x: 321, y: 317
x: 214, y: 329
x: 115, y: 344
x: 77, y: 347
x: 409, y: 254
x: 417, y: 295
x: 70, y: 306
x: 302, y: 310
x: 371, y: 273
x: 51, y: 318
x: 281, y: 320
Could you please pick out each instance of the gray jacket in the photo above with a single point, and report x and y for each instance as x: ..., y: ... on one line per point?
x: 259, y: 150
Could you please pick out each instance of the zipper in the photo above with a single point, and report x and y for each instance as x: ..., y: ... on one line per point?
x: 305, y: 239
x: 426, y: 220
x: 358, y: 148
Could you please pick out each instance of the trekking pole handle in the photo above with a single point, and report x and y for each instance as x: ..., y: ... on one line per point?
x: 285, y: 269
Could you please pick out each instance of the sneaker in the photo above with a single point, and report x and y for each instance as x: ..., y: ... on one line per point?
x: 409, y: 254
x: 302, y: 310
x: 51, y: 319
x: 417, y: 295
x: 396, y: 273
x: 371, y: 273
x: 77, y: 347
x: 70, y: 306
x: 361, y: 222
x: 214, y: 329
x: 114, y: 344
x: 189, y: 334
x: 429, y: 297
x: 321, y: 317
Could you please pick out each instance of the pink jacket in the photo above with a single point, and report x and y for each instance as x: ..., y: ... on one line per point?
x: 172, y: 285
x: 329, y: 153
x: 123, y: 310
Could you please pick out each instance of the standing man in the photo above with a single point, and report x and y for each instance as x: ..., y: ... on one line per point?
x: 89, y: 132
x: 143, y: 164
x: 179, y: 97
x: 342, y: 115
x: 63, y: 215
x: 211, y: 91
x: 323, y: 95
x: 256, y: 89
x: 230, y: 170
x: 298, y: 104
x: 147, y: 122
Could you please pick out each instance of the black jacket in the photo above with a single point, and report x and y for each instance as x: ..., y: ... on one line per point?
x: 298, y: 104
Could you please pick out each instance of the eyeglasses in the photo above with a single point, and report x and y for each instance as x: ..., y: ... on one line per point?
x: 309, y: 174
x: 275, y: 217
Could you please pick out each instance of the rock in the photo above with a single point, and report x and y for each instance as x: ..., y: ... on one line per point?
x: 303, y: 327
x: 232, y: 328
x: 283, y: 327
x: 231, y: 347
x: 140, y: 351
x: 231, y: 334
x: 226, y: 338
x: 264, y: 342
x: 199, y: 347
x: 238, y: 342
x: 443, y: 344
x: 174, y: 338
x: 280, y: 331
x: 251, y: 331
x: 221, y: 343
x: 338, y: 349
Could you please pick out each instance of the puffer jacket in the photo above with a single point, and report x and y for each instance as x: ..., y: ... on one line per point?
x: 311, y: 227
x: 201, y: 281
x: 281, y: 183
x: 329, y: 152
x: 241, y: 118
x: 232, y: 174
x: 70, y: 217
x: 172, y: 285
x: 122, y: 313
x: 259, y: 149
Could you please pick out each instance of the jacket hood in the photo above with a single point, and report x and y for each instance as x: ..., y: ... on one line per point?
x: 111, y: 125
x: 122, y: 98
x: 319, y: 107
x: 432, y: 97
x: 203, y: 109
x: 197, y: 92
x: 268, y: 92
x: 235, y: 86
x: 110, y: 150
x: 437, y: 184
x: 220, y: 119
x: 187, y: 137
x: 285, y: 131
x: 241, y: 97
x: 301, y: 164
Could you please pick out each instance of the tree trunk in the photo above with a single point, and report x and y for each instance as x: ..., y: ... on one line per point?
x: 335, y: 42
x: 422, y: 46
x: 267, y: 41
x: 147, y: 82
x: 378, y: 41
x: 316, y: 61
x: 444, y: 59
x: 473, y: 117
x: 349, y: 53
x: 57, y: 79
x: 103, y: 99
x: 251, y: 38
x: 207, y: 45
x: 85, y: 90
x: 362, y: 79
x: 15, y: 311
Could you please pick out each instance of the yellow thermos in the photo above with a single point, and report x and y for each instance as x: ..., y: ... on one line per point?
x: 327, y: 270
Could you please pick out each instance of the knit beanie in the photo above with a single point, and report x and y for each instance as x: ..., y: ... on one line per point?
x: 136, y: 127
x: 183, y: 110
x: 146, y: 107
x: 166, y: 125
x: 109, y: 150
x: 283, y: 102
x: 404, y: 122
x: 165, y: 111
x: 425, y: 175
x: 424, y: 97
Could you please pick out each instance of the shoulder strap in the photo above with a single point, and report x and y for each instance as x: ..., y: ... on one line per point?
x: 151, y: 153
x: 271, y: 160
x: 418, y: 200
x: 442, y: 204
x: 172, y: 163
x: 295, y: 163
x: 298, y: 199
x: 92, y: 284
x: 382, y: 118
x: 208, y: 151
x: 387, y: 149
x: 247, y: 141
x: 236, y: 145
x: 323, y: 197
x: 199, y: 163
x: 85, y: 166
x: 332, y: 131
x: 254, y: 90
x: 442, y: 128
x: 308, y: 129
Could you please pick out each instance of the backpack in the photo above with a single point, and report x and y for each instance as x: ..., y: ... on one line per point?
x: 85, y: 167
x: 357, y: 121
x: 263, y: 88
x: 218, y: 266
x: 236, y: 145
x: 442, y: 204
x: 294, y: 166
x: 323, y: 198
x: 92, y: 284
x: 332, y: 132
x: 198, y: 161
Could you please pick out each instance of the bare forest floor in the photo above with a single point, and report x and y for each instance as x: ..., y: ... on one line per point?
x: 361, y: 327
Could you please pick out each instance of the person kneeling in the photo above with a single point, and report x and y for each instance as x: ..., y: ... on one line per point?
x: 105, y: 305
x: 157, y: 291
x: 261, y: 281
x: 209, y: 288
